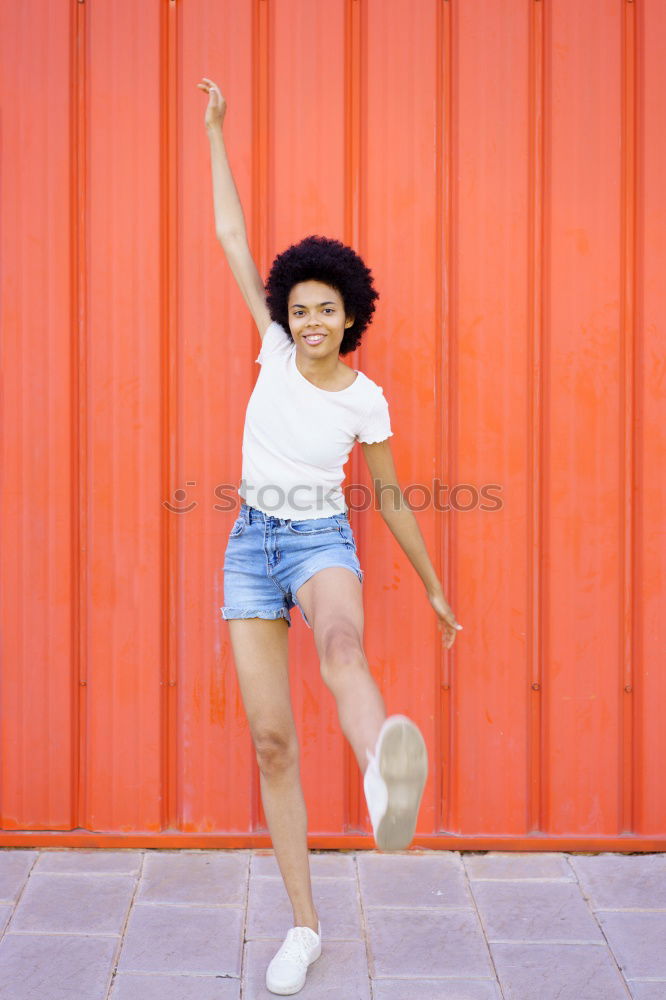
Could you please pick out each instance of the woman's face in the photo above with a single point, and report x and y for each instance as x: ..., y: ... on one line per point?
x: 317, y: 319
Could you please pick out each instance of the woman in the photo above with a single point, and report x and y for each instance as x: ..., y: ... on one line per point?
x: 292, y: 543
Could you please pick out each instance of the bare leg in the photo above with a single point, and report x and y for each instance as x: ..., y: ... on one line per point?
x: 284, y: 806
x: 261, y: 658
x: 361, y: 707
x: 332, y: 600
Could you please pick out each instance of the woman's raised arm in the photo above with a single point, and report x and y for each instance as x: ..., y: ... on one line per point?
x: 229, y: 219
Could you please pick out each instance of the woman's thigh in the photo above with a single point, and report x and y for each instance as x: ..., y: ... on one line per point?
x: 309, y: 552
x: 333, y: 602
x: 260, y: 649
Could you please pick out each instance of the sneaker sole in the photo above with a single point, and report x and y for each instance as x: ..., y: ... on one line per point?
x: 403, y: 764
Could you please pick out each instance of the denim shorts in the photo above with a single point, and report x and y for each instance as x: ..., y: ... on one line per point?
x: 268, y: 558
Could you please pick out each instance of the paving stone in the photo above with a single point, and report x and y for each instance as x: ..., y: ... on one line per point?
x: 168, y: 937
x: 557, y: 972
x: 56, y: 966
x: 340, y: 972
x: 426, y: 943
x: 324, y: 865
x: 71, y: 859
x: 152, y: 986
x: 218, y: 877
x: 15, y: 864
x: 270, y: 914
x: 75, y: 904
x: 648, y: 991
x: 638, y: 941
x: 6, y: 910
x: 535, y: 911
x: 517, y: 864
x: 408, y: 880
x: 623, y: 880
x: 184, y: 936
x: 436, y: 989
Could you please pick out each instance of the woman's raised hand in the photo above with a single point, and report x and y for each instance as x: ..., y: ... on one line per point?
x: 217, y: 105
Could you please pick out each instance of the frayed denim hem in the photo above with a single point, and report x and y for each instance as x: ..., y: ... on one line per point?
x: 269, y: 615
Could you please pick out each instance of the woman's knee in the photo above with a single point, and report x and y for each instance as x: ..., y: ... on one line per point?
x: 276, y: 749
x: 341, y: 651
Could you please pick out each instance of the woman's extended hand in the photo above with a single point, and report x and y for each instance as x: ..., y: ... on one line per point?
x: 216, y: 103
x: 448, y: 623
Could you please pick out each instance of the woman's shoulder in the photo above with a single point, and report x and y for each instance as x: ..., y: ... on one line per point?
x: 368, y: 384
x: 276, y: 343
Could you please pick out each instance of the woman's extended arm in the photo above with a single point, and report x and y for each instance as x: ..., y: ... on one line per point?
x: 401, y: 521
x: 229, y: 219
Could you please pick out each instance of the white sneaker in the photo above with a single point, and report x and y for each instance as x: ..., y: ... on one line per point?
x: 287, y: 970
x: 394, y: 781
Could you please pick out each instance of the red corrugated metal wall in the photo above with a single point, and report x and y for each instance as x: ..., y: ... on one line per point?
x: 500, y: 166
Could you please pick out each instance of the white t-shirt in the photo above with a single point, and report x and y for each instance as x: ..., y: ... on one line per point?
x: 297, y: 437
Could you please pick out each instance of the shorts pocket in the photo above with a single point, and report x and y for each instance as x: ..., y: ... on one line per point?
x: 239, y: 527
x: 314, y: 526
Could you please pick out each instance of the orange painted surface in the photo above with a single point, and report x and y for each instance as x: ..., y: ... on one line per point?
x: 500, y: 167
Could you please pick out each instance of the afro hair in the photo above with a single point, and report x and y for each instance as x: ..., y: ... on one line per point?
x: 317, y: 258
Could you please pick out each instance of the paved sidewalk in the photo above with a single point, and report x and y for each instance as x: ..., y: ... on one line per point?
x: 419, y: 925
